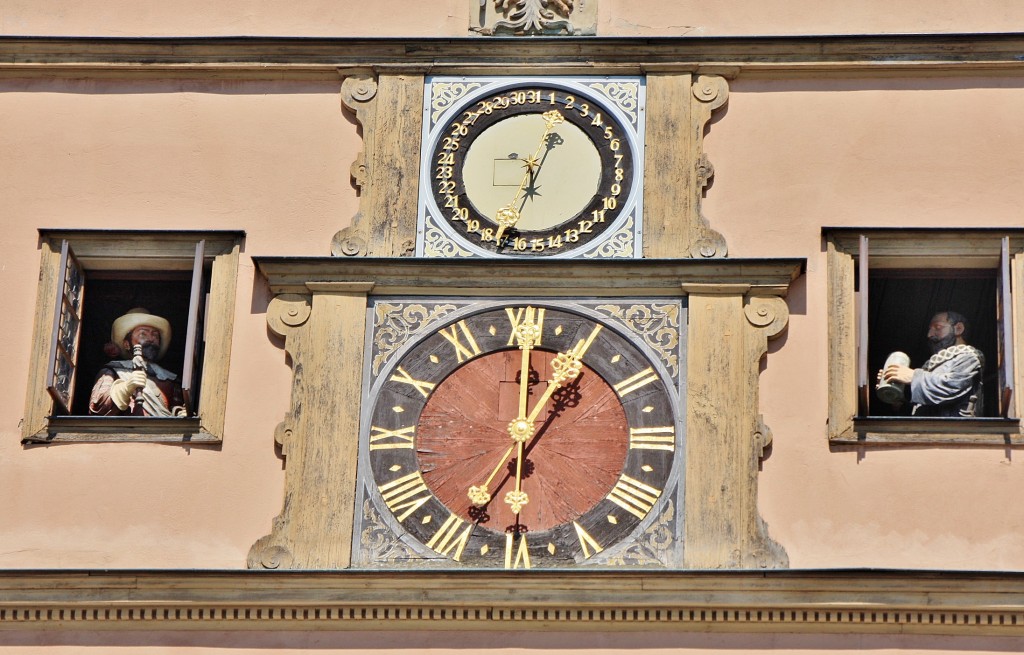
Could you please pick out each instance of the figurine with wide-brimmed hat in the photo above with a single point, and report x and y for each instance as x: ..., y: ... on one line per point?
x: 135, y: 385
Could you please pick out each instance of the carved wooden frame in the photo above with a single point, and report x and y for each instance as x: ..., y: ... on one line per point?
x: 388, y: 106
x: 319, y: 307
x: 925, y: 248
x: 140, y: 250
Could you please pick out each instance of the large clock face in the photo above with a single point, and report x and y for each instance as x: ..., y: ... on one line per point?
x: 521, y: 436
x: 533, y: 169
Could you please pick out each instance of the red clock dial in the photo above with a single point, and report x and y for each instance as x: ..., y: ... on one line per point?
x: 570, y: 464
x: 493, y: 450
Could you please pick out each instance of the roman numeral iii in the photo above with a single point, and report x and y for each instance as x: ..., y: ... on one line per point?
x: 661, y: 438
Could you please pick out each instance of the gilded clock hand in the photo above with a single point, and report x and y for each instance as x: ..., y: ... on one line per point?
x: 521, y: 429
x: 527, y: 335
x: 532, y: 190
x: 508, y: 215
x: 565, y: 368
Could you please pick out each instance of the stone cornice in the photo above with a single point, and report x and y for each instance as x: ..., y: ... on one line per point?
x: 291, y: 57
x: 921, y: 602
x: 407, y: 275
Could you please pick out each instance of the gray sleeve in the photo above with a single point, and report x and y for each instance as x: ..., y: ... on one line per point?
x: 949, y: 381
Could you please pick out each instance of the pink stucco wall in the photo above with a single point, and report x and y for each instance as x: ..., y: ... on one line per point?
x: 449, y: 17
x: 792, y: 156
x: 270, y: 159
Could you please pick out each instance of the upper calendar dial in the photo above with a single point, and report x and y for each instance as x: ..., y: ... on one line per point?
x: 533, y: 170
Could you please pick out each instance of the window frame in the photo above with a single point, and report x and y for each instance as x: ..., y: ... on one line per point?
x: 926, y: 248
x: 136, y: 250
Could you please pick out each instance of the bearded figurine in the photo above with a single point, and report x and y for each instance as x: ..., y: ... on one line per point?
x: 135, y: 385
x: 949, y: 383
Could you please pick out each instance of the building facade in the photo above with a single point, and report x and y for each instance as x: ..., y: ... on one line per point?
x: 747, y: 209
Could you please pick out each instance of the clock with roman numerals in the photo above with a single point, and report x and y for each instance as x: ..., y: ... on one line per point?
x: 532, y: 167
x: 520, y: 434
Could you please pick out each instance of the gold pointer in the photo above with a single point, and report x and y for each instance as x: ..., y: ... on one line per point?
x: 527, y: 334
x: 565, y: 367
x: 521, y: 429
x: 508, y: 215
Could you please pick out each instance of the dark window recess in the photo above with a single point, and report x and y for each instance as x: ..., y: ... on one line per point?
x: 179, y: 296
x: 900, y: 304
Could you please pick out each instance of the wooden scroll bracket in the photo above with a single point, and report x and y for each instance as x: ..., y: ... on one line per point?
x: 726, y: 435
x: 679, y: 107
x: 388, y: 107
x: 308, y: 532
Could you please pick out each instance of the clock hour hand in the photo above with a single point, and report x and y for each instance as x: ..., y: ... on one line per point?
x: 480, y: 496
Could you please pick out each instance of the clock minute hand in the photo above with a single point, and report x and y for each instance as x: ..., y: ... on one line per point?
x: 521, y: 429
x: 527, y: 334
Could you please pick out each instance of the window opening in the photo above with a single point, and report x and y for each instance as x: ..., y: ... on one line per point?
x: 87, y: 279
x: 901, y: 304
x: 82, y: 343
x: 164, y: 294
x: 894, y: 310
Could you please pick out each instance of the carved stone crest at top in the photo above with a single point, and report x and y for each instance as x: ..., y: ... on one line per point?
x: 532, y: 17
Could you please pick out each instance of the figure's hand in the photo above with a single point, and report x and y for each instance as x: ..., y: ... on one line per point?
x: 121, y: 391
x: 136, y: 380
x: 897, y: 373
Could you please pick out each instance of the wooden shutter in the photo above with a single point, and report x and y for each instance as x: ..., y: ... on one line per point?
x: 863, y: 383
x: 66, y: 331
x: 1004, y: 311
x: 195, y: 306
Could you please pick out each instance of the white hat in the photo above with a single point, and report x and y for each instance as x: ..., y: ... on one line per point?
x: 135, y: 317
